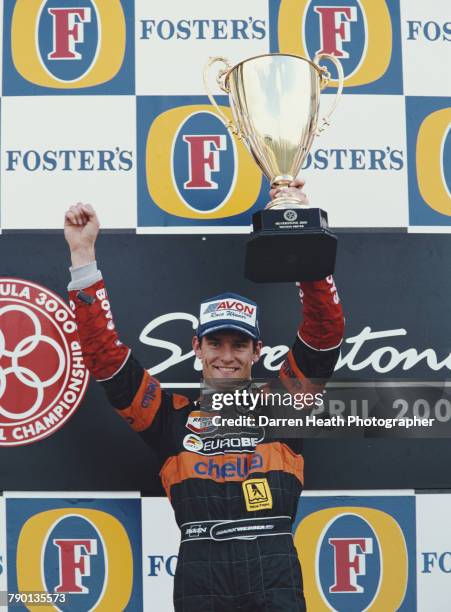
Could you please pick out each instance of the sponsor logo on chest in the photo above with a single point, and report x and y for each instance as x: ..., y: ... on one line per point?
x: 200, y: 422
x: 239, y: 442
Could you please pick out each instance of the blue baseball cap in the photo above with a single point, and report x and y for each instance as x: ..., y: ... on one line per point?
x: 229, y: 311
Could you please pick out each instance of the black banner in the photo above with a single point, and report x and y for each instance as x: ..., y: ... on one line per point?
x: 396, y: 300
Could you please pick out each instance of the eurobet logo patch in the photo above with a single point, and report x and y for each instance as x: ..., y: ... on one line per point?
x: 88, y: 551
x: 80, y: 46
x: 360, y: 556
x: 191, y: 172
x: 363, y: 34
x: 429, y: 160
x: 42, y: 375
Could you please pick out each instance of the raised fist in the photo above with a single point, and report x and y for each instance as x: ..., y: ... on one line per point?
x: 81, y: 227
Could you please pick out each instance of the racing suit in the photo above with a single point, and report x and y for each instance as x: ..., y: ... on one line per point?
x: 219, y: 488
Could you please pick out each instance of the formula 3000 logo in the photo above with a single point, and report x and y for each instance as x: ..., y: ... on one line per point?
x: 68, y: 46
x: 363, y: 34
x: 42, y: 375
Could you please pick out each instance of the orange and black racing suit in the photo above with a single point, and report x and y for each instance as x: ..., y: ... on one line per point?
x: 230, y: 492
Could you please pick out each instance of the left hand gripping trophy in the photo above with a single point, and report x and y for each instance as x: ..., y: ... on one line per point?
x: 275, y: 105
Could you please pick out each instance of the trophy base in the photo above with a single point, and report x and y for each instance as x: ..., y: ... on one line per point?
x: 290, y: 245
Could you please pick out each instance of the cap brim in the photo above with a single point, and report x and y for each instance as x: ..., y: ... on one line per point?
x: 218, y: 327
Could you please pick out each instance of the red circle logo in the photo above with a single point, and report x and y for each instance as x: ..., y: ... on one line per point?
x: 42, y: 375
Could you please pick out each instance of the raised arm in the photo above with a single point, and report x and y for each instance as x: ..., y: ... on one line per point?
x: 317, y: 345
x: 103, y: 352
x: 135, y: 395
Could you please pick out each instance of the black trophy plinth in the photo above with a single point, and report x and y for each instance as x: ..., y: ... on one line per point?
x: 291, y: 244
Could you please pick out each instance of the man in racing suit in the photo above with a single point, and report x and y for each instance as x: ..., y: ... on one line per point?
x: 221, y: 485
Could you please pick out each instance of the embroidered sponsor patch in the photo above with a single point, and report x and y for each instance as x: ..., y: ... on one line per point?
x: 257, y: 494
x: 200, y: 423
x: 222, y: 444
x: 192, y: 443
x: 228, y: 309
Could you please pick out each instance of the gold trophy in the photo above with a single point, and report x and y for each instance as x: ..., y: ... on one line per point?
x: 275, y: 105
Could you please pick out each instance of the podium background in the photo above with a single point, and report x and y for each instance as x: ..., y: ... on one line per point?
x: 107, y: 127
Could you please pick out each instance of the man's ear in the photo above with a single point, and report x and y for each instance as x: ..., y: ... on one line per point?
x: 196, y: 347
x: 257, y: 351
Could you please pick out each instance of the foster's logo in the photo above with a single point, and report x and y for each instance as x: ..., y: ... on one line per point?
x: 80, y: 560
x: 68, y: 40
x: 363, y: 34
x: 193, y: 170
x: 429, y: 160
x: 81, y: 552
x: 434, y: 161
x: 350, y: 552
x: 338, y: 30
x: 204, y: 158
x: 355, y: 558
x: 71, y: 45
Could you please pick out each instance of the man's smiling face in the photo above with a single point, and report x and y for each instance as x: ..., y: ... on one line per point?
x: 227, y: 354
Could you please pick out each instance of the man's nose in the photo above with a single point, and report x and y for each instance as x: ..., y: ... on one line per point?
x: 227, y: 354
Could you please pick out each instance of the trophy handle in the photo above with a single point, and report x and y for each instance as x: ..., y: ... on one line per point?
x: 220, y: 79
x: 325, y: 78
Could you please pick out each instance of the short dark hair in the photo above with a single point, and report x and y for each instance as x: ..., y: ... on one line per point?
x: 244, y: 336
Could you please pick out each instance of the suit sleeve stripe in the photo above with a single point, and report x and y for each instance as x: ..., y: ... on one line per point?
x: 319, y: 350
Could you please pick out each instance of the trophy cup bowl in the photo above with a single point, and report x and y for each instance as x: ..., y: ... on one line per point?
x: 275, y: 106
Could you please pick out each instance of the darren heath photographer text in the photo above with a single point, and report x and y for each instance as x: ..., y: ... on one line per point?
x: 299, y: 401
x: 314, y: 421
